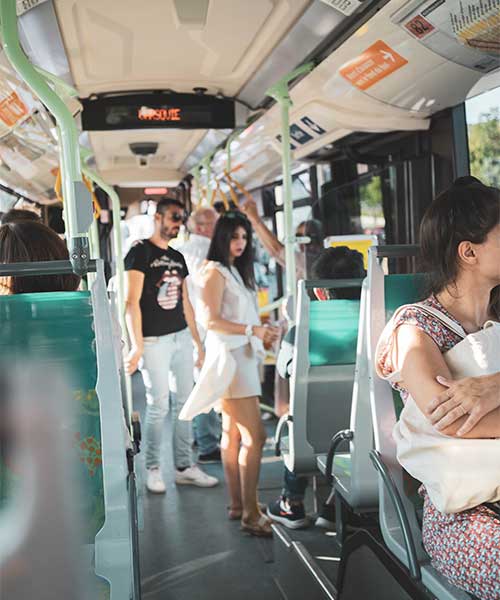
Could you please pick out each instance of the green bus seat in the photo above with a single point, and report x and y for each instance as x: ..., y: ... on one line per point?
x: 402, y: 289
x: 57, y: 329
x: 72, y: 333
x: 386, y: 294
x: 399, y: 290
x: 324, y: 359
x: 333, y: 332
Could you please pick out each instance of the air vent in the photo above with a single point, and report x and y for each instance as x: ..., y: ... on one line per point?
x: 192, y: 12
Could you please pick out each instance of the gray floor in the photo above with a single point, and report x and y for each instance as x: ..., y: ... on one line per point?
x: 189, y: 549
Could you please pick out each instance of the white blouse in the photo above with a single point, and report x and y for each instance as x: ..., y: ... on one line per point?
x: 239, y: 305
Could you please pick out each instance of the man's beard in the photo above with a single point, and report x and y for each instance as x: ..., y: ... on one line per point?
x: 167, y: 234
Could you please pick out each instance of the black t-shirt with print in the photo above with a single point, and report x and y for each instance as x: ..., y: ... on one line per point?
x: 161, y: 299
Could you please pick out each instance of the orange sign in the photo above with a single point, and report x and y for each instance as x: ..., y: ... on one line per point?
x: 12, y: 108
x: 159, y: 114
x: 376, y: 62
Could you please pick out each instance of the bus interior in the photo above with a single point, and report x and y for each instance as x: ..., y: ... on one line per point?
x: 349, y: 112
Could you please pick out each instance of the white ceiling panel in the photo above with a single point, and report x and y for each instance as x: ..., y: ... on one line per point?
x: 130, y: 45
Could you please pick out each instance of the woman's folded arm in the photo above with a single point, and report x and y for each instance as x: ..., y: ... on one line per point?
x: 421, y: 362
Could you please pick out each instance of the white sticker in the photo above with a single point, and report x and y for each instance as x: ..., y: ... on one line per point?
x: 346, y: 7
x: 26, y: 5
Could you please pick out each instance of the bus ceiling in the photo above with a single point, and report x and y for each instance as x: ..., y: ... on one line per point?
x: 381, y: 66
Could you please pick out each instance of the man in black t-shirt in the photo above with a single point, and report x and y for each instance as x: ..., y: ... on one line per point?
x: 162, y: 328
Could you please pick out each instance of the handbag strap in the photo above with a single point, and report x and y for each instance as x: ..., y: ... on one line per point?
x: 445, y: 320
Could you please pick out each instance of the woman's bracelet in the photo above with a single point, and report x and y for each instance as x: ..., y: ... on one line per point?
x: 249, y: 331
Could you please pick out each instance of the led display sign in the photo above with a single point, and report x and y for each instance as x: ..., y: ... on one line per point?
x: 157, y: 111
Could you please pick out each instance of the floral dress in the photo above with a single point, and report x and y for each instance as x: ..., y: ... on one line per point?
x: 465, y: 546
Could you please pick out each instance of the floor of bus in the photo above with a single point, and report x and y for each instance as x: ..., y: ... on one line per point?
x: 189, y: 549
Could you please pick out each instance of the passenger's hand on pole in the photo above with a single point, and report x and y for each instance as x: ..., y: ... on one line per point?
x: 249, y: 208
x: 132, y: 360
x: 472, y: 396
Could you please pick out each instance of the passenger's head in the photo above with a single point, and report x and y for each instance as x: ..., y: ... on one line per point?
x: 232, y: 244
x: 219, y: 207
x: 460, y: 235
x: 169, y: 217
x: 202, y: 221
x: 312, y: 229
x: 18, y: 214
x: 338, y: 263
x: 29, y: 241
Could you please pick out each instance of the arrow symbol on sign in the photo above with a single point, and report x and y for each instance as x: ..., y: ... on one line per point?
x: 387, y: 55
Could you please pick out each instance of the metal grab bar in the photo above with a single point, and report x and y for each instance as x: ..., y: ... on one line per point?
x: 46, y: 267
x: 284, y: 420
x: 346, y: 435
x: 314, y: 570
x: 396, y: 251
x: 392, y: 490
x: 77, y: 205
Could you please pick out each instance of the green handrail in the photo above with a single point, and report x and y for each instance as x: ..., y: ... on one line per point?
x: 86, y: 154
x: 207, y: 165
x: 117, y: 234
x: 279, y: 91
x: 77, y: 199
x: 229, y: 141
x: 197, y: 179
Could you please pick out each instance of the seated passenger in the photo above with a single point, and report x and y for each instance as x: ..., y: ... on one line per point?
x: 332, y: 263
x: 31, y: 241
x: 460, y: 241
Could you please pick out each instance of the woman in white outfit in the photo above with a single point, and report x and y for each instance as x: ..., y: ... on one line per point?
x: 230, y: 375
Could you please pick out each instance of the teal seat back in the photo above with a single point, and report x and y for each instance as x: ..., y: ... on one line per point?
x: 402, y: 289
x: 56, y: 329
x: 399, y: 290
x: 333, y: 332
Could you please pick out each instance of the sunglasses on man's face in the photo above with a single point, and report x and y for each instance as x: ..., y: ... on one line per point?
x: 175, y: 217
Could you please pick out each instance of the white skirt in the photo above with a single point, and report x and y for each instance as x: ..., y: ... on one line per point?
x: 246, y: 380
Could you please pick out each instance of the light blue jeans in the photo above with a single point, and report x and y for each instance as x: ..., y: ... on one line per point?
x: 207, y: 431
x: 167, y: 366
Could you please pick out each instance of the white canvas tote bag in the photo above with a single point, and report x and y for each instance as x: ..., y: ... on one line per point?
x: 458, y: 474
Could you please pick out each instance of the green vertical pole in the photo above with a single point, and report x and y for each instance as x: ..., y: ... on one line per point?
x: 197, y: 179
x: 117, y: 234
x: 76, y: 196
x: 230, y: 140
x: 280, y: 93
x: 207, y: 164
x: 119, y: 265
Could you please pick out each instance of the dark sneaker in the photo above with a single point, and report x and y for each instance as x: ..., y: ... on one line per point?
x: 212, y: 457
x: 292, y: 516
x: 326, y: 517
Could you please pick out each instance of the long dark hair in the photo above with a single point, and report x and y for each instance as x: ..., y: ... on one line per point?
x: 226, y: 225
x: 467, y: 211
x: 30, y: 241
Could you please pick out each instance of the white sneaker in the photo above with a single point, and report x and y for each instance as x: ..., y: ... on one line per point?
x: 154, y: 482
x: 195, y: 476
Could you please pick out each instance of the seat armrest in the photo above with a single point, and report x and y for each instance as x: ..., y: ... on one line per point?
x: 346, y: 435
x: 280, y: 427
x: 413, y: 564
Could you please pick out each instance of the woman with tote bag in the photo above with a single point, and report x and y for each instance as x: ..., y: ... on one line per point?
x: 454, y: 333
